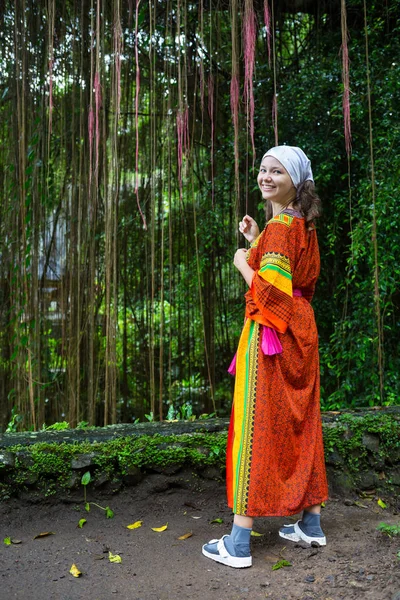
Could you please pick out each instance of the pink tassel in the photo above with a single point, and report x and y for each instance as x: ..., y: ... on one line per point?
x: 249, y: 42
x: 270, y: 343
x: 267, y: 23
x: 232, y: 366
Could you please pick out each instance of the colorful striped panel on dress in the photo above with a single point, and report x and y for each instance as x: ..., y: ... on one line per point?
x: 282, y: 218
x: 272, y: 290
x: 240, y: 440
x: 275, y: 268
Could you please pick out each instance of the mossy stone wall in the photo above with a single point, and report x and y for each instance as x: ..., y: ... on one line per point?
x: 362, y: 454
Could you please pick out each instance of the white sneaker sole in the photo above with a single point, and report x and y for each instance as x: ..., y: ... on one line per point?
x: 236, y: 562
x: 299, y: 535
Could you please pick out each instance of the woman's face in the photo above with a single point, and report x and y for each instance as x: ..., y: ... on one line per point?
x: 275, y: 182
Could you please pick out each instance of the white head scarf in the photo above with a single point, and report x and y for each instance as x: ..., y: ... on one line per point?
x: 295, y: 162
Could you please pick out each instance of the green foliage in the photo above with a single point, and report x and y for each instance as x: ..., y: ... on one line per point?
x: 86, y: 477
x: 49, y: 464
x: 85, y: 480
x: 179, y: 300
x: 389, y: 530
x: 346, y: 438
x: 280, y: 564
x: 14, y: 421
x: 60, y: 426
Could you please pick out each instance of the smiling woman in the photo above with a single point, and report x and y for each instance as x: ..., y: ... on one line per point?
x: 275, y: 458
x: 275, y: 183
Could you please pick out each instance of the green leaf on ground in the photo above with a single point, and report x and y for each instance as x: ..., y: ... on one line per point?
x: 109, y: 513
x: 280, y: 564
x: 217, y: 521
x: 81, y: 523
x: 7, y: 541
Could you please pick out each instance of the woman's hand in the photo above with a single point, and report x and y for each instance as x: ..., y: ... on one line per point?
x: 240, y: 258
x: 242, y: 266
x: 249, y: 228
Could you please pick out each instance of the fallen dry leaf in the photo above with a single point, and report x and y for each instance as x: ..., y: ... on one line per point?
x: 196, y: 517
x: 75, y: 571
x: 360, y: 504
x: 185, y: 536
x: 44, y: 534
x: 13, y: 541
x: 163, y: 528
x: 114, y: 558
x: 135, y: 525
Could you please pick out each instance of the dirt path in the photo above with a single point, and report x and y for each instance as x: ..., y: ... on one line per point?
x: 358, y: 562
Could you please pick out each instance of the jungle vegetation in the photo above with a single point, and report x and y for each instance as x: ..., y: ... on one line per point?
x: 130, y: 135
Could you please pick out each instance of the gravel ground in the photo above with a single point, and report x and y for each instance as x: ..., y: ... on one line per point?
x: 358, y: 562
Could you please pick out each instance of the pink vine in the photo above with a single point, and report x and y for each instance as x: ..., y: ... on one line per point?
x: 249, y: 42
x: 275, y: 118
x: 267, y: 23
x: 51, y: 63
x: 97, y: 100
x: 182, y: 130
x: 91, y: 134
x: 201, y: 76
x: 117, y: 60
x: 346, y: 81
x: 137, y: 115
x: 235, y: 119
x: 211, y: 115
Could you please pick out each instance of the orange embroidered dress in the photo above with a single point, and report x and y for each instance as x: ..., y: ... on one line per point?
x: 275, y: 456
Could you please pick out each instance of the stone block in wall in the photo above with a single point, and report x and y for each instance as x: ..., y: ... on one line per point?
x: 371, y: 441
x: 367, y: 480
x: 341, y: 483
x: 83, y: 461
x: 133, y: 476
x: 7, y: 459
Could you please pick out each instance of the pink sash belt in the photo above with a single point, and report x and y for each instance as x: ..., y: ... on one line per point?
x: 270, y: 343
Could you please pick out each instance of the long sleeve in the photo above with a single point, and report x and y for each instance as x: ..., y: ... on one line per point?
x: 270, y: 298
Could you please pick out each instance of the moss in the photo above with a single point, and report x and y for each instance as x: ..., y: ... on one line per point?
x: 346, y: 438
x: 50, y: 463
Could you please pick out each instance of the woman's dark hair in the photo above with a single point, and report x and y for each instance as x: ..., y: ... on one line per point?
x: 307, y: 203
